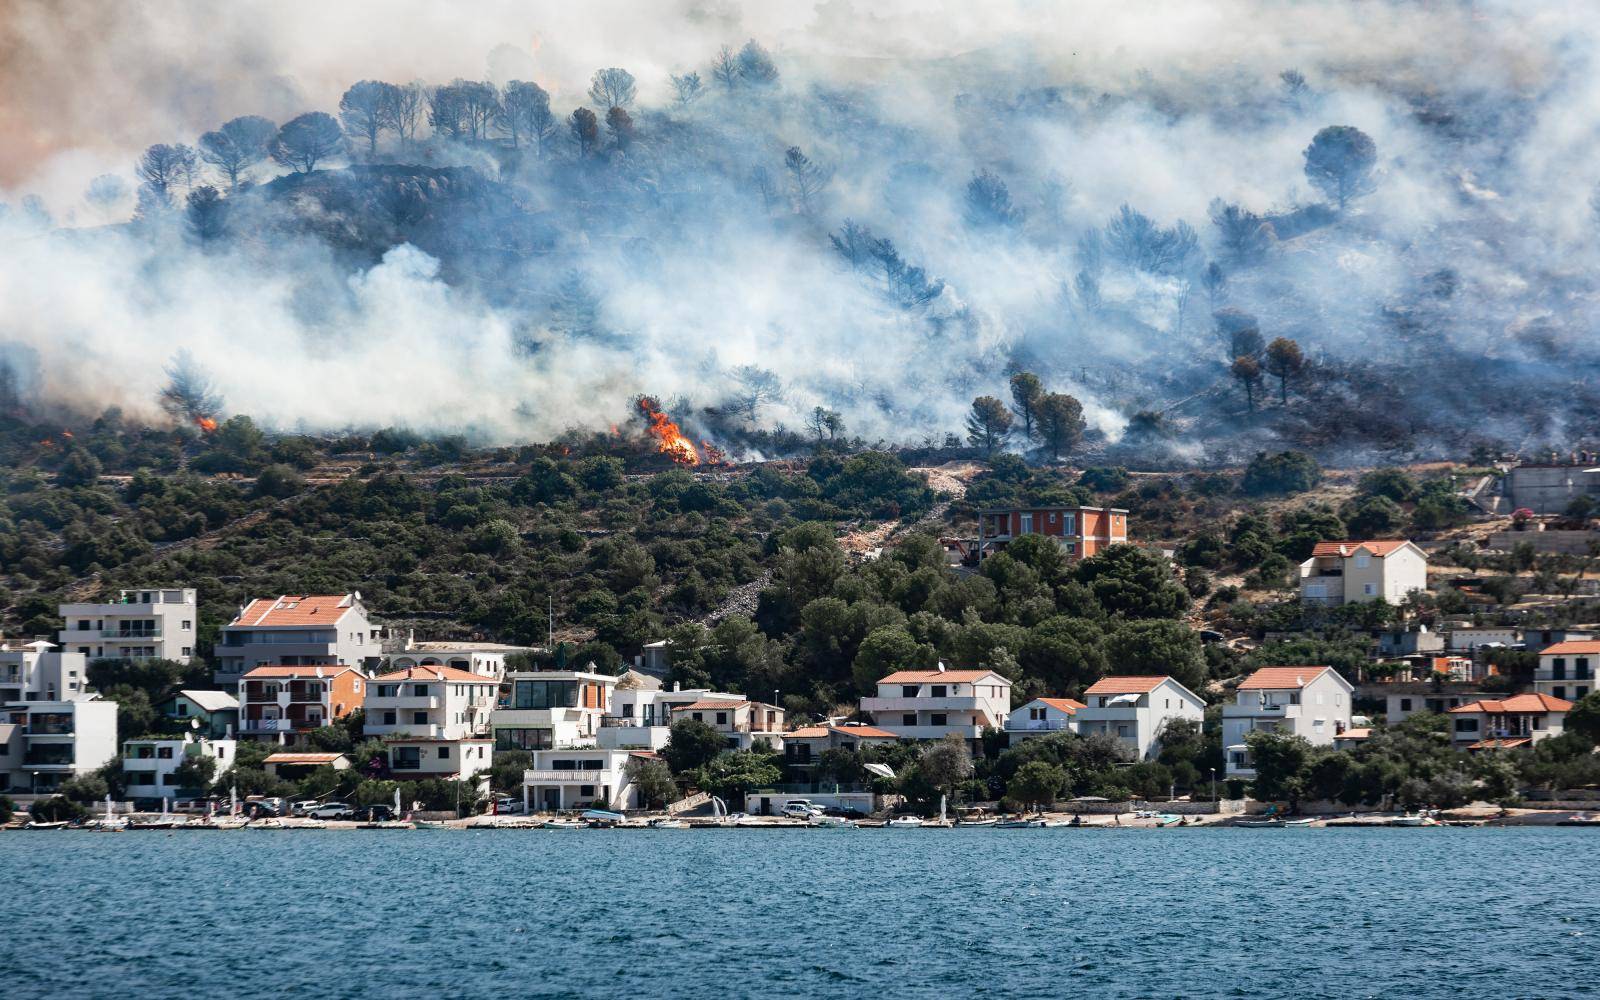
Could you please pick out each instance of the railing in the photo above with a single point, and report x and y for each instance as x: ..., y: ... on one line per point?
x: 544, y: 776
x: 49, y: 730
x: 1038, y: 725
x: 406, y: 765
x: 112, y: 633
x: 626, y: 722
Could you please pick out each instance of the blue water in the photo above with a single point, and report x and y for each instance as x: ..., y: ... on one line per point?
x: 737, y: 913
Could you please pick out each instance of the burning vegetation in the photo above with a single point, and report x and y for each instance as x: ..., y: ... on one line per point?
x: 668, y: 436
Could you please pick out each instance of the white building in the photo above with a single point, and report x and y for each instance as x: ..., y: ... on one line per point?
x: 573, y: 779
x: 308, y: 630
x: 1410, y: 699
x: 1042, y: 716
x: 746, y: 725
x: 1567, y: 669
x: 43, y: 743
x: 488, y: 659
x: 150, y: 767
x: 1467, y: 639
x: 1351, y: 572
x: 1136, y: 709
x: 640, y: 716
x: 37, y: 671
x: 932, y: 704
x: 1311, y: 702
x: 434, y: 719
x: 550, y: 709
x: 139, y: 625
x: 1508, y: 723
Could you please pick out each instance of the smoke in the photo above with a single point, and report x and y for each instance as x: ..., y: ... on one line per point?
x: 678, y: 265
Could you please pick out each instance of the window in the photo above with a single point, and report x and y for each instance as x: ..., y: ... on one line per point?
x: 1027, y: 524
x: 188, y: 651
x: 627, y: 711
x: 1122, y: 729
x: 586, y: 790
x: 1369, y: 589
x: 1466, y: 725
x: 389, y: 718
x: 546, y: 694
x: 164, y: 753
x: 419, y: 690
x: 186, y: 626
x: 419, y: 718
x: 1317, y: 725
x: 83, y: 626
x: 522, y: 739
x: 1559, y: 692
x: 444, y: 753
x: 908, y: 719
x: 938, y: 691
x: 722, y: 718
x: 1558, y: 668
x: 908, y: 690
x: 698, y: 717
x: 938, y: 719
x: 1036, y: 714
x: 1538, y: 722
x: 183, y: 709
x: 1294, y: 697
x: 1363, y: 560
x: 1405, y: 704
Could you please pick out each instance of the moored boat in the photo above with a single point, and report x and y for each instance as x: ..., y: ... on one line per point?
x: 1037, y: 823
x: 1259, y: 824
x: 669, y: 823
x: 904, y: 823
x: 561, y: 824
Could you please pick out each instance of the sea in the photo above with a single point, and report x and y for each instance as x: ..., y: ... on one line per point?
x: 801, y: 913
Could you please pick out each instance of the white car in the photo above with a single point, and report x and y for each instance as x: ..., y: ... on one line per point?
x: 331, y: 810
x: 506, y: 805
x: 303, y: 807
x: 802, y: 808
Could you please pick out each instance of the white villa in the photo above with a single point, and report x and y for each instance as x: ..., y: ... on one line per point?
x: 1566, y: 670
x: 138, y: 625
x: 43, y: 743
x: 745, y: 724
x: 1042, y: 716
x: 550, y: 709
x: 1507, y: 723
x: 487, y: 659
x: 304, y: 630
x: 640, y: 717
x: 434, y: 719
x: 1136, y: 709
x: 37, y: 671
x: 573, y: 779
x: 932, y: 704
x: 150, y: 767
x: 1313, y: 702
x: 1351, y: 572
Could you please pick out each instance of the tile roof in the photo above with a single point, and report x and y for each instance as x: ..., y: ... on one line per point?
x: 709, y: 705
x: 1568, y: 648
x: 303, y: 758
x: 1377, y: 548
x: 1355, y: 734
x: 434, y: 674
x: 211, y: 701
x: 821, y: 732
x: 1517, y: 703
x: 1502, y: 744
x: 1126, y: 685
x: 1281, y: 678
x: 288, y: 609
x: 952, y: 676
x: 1067, y: 705
x: 308, y: 671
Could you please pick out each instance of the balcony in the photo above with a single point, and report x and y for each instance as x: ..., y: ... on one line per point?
x: 553, y: 777
x: 1038, y: 725
x: 274, y: 725
x: 964, y: 730
x: 404, y: 703
x: 961, y: 703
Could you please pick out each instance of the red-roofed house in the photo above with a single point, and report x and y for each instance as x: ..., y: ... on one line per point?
x: 1566, y: 670
x: 1313, y: 702
x: 1496, y: 723
x: 1041, y: 716
x: 1351, y: 572
x: 931, y: 704
x: 308, y: 630
x: 1135, y: 709
x: 744, y: 723
x: 280, y: 704
x: 434, y: 719
x: 1080, y: 531
x: 802, y: 747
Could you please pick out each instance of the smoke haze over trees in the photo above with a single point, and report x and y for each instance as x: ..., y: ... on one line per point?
x: 1341, y: 230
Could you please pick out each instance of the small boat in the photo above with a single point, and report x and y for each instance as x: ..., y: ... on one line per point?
x: 1259, y: 824
x: 1303, y: 823
x: 904, y: 823
x: 156, y: 824
x: 668, y: 824
x: 602, y: 817
x: 60, y: 824
x: 388, y: 824
x: 433, y: 824
x: 1166, y: 819
x: 986, y: 821
x: 1580, y: 819
x: 1019, y: 824
x: 270, y: 823
x: 561, y: 824
x: 832, y: 822
x: 1409, y: 820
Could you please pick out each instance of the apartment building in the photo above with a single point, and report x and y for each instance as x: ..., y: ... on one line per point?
x: 38, y: 671
x: 306, y: 630
x: 1080, y: 531
x: 434, y: 720
x: 150, y: 766
x: 550, y: 709
x: 1042, y: 716
x: 280, y: 704
x: 1353, y: 572
x: 745, y: 724
x: 1566, y: 670
x: 932, y: 704
x: 640, y: 716
x: 156, y: 623
x: 1136, y: 709
x: 43, y: 743
x: 1310, y: 702
x: 1508, y: 723
x: 581, y: 779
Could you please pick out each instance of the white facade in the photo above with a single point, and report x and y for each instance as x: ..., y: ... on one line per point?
x: 291, y: 630
x: 746, y: 725
x: 1354, y: 572
x: 1467, y: 640
x: 1043, y: 716
x: 571, y: 779
x: 1135, y: 710
x: 1402, y: 705
x: 641, y: 713
x: 434, y: 719
x: 412, y: 758
x: 487, y: 659
x: 1506, y: 723
x: 1567, y: 670
x: 139, y: 625
x: 37, y: 671
x: 932, y: 704
x: 550, y: 709
x: 47, y: 742
x: 150, y: 767
x: 1310, y: 702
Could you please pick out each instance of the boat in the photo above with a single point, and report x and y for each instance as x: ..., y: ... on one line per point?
x: 986, y: 821
x: 1259, y: 824
x: 388, y: 824
x: 433, y: 824
x: 668, y: 823
x: 1025, y: 823
x: 832, y: 822
x: 1580, y: 819
x: 59, y: 824
x: 1410, y: 820
x: 270, y: 823
x: 602, y: 817
x: 904, y: 823
x: 1303, y: 823
x: 561, y: 824
x: 1166, y: 819
x: 165, y: 823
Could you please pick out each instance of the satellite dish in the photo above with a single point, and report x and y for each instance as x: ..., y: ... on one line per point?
x: 194, y: 723
x: 881, y: 770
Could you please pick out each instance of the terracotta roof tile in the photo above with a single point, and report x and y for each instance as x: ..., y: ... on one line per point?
x: 1281, y: 678
x: 434, y: 673
x: 1589, y: 647
x: 309, y: 671
x: 303, y: 758
x: 1516, y: 703
x: 1126, y: 685
x: 1502, y: 744
x: 821, y: 732
x: 289, y: 609
x: 1377, y: 548
x: 1067, y: 705
x: 950, y: 676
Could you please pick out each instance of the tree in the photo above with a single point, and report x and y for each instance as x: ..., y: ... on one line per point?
x: 691, y: 744
x: 1339, y: 163
x: 1215, y: 281
x: 585, y: 128
x: 1026, y: 394
x: 612, y: 88
x: 80, y: 469
x: 688, y: 88
x: 756, y: 66
x: 1295, y: 90
x: 1376, y: 517
x: 1280, y: 763
x: 1244, y: 235
x: 1133, y: 582
x: 307, y: 140
x: 525, y: 114
x: 989, y: 201
x: 825, y: 421
x: 653, y: 781
x: 405, y: 114
x: 1284, y: 361
x: 806, y: 179
x: 1158, y: 646
x: 733, y: 774
x: 238, y: 145
x: 988, y: 424
x: 1061, y: 424
x: 1037, y: 783
x: 1238, y: 331
x: 206, y: 213
x: 1246, y: 370
x: 620, y: 125
x: 189, y: 394
x: 105, y: 192
x: 855, y: 243
x: 1584, y: 718
x: 1134, y: 239
x: 366, y: 110
x: 1285, y: 472
x: 946, y: 764
x: 882, y: 652
x: 166, y: 170
x: 725, y: 68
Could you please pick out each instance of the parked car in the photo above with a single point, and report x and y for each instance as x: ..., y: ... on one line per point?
x: 507, y: 805
x: 379, y: 813
x: 303, y: 807
x: 331, y: 810
x: 802, y: 809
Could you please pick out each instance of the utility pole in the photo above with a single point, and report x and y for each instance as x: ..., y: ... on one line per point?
x: 550, y: 614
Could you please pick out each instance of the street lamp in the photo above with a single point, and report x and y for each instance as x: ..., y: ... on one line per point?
x: 1213, y: 784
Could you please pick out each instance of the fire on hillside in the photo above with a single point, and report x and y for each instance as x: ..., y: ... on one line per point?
x: 671, y: 441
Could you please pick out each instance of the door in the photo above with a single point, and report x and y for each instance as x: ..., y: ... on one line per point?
x: 552, y: 800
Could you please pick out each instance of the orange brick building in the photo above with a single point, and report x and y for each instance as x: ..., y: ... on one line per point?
x: 1081, y: 531
x: 279, y: 704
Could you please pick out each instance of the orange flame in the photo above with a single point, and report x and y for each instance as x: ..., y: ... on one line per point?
x: 206, y: 424
x: 670, y: 439
x: 66, y: 434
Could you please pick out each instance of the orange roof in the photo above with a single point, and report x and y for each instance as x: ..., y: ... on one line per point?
x: 1567, y: 648
x: 821, y: 732
x: 1519, y: 703
x: 1377, y: 548
x: 709, y: 705
x: 1510, y: 744
x: 307, y: 671
x: 1126, y: 685
x: 953, y: 676
x: 1355, y: 734
x: 1067, y: 705
x: 309, y: 609
x: 303, y: 758
x: 1281, y: 678
x: 433, y: 674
